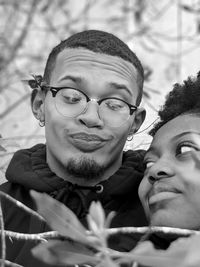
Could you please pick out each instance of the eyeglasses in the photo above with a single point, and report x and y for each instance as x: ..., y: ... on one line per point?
x: 71, y: 102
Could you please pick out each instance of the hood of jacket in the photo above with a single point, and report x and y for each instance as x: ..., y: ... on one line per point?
x: 29, y: 168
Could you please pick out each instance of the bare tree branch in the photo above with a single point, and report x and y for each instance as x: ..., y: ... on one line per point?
x: 21, y: 205
x: 3, y: 242
x: 23, y: 34
x: 111, y: 231
x: 11, y: 264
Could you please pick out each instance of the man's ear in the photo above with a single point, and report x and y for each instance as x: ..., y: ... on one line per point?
x: 139, y: 118
x: 37, y: 104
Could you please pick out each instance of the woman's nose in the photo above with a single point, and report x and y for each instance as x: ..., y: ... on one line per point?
x: 159, y: 170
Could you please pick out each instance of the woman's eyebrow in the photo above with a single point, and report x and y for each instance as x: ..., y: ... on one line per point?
x: 183, y: 134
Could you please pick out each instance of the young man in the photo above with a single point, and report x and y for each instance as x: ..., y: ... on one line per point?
x: 88, y: 101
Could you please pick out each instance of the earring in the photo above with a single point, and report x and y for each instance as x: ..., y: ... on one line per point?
x: 41, y: 123
x: 130, y: 138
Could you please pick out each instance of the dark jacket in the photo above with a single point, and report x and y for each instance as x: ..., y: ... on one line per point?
x: 28, y: 170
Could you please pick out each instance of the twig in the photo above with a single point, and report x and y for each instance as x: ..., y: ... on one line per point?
x: 14, y: 105
x: 3, y: 243
x: 112, y: 231
x: 153, y: 229
x: 34, y: 237
x: 11, y: 264
x: 21, y: 205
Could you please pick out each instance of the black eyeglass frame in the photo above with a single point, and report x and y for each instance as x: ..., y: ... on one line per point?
x: 55, y: 90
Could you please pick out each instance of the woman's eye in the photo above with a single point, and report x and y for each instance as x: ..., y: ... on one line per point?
x: 185, y: 148
x: 148, y: 164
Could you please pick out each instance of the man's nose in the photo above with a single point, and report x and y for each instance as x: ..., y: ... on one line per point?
x: 159, y: 170
x: 90, y: 117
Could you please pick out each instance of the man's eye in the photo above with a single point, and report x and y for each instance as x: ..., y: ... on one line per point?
x: 114, y: 104
x: 71, y: 100
x: 71, y: 96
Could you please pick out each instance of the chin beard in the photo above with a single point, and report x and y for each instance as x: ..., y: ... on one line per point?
x: 85, y: 169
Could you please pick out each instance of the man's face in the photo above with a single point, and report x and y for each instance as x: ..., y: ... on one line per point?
x: 86, y: 138
x: 170, y: 189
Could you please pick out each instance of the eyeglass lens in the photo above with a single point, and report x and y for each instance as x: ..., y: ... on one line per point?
x: 71, y: 103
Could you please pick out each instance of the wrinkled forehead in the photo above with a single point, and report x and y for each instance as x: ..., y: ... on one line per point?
x: 74, y: 55
x: 76, y: 58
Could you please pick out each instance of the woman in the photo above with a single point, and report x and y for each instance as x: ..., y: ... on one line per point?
x: 170, y: 189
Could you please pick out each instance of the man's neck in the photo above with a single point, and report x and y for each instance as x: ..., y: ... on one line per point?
x: 61, y: 172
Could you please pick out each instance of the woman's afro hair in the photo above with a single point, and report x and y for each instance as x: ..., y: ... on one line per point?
x: 184, y: 98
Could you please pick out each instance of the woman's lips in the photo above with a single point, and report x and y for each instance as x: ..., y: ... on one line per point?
x: 161, y: 196
x: 158, y: 194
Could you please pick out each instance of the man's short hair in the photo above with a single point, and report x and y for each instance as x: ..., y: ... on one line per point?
x: 99, y: 42
x: 183, y: 99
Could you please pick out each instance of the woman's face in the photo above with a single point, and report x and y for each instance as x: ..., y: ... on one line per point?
x: 170, y: 189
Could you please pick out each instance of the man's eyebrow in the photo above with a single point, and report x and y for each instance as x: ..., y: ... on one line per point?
x: 72, y: 78
x: 79, y: 79
x: 185, y: 133
x: 119, y: 86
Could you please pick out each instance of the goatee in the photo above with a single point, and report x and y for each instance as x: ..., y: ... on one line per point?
x: 84, y: 168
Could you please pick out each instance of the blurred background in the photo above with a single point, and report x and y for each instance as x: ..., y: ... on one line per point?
x: 165, y: 35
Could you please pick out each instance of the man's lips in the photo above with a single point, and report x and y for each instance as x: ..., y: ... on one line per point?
x: 88, y: 142
x: 89, y: 137
x: 164, y: 192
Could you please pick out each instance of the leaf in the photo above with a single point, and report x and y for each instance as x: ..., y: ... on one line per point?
x: 35, y: 83
x: 96, y: 218
x: 97, y: 213
x: 60, y: 253
x: 191, y: 247
x: 184, y: 252
x: 109, y: 218
x: 59, y: 217
x: 107, y: 262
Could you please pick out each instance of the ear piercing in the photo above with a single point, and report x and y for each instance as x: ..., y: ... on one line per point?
x: 41, y: 123
x: 130, y: 138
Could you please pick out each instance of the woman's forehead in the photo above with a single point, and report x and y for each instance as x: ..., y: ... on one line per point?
x: 175, y: 129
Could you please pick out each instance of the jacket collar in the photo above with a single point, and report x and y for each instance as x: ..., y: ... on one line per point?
x: 29, y: 168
